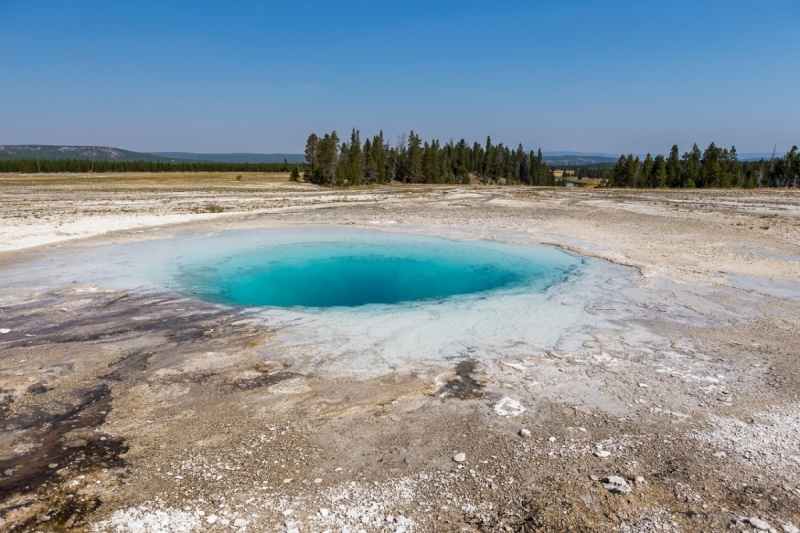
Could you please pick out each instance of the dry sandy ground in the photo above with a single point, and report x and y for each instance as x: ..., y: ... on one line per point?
x: 126, y: 411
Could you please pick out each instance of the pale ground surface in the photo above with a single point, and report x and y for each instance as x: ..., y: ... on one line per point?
x: 129, y: 411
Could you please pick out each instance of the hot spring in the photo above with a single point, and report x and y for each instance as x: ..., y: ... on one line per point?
x: 353, y: 301
x: 322, y: 269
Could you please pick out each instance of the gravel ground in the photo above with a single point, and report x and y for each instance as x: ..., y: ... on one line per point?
x: 132, y: 411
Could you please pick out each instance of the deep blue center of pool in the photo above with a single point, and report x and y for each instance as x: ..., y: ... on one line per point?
x: 356, y: 272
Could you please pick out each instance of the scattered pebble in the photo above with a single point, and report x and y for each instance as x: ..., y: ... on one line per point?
x: 287, y: 512
x: 616, y: 485
x: 460, y: 457
x: 790, y: 528
x: 643, y: 385
x: 552, y: 439
x: 212, y: 518
x: 324, y: 512
x: 759, y: 524
x: 524, y: 433
x: 3, y: 331
x: 602, y: 453
x: 239, y: 522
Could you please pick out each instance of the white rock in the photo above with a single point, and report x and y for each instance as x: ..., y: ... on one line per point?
x: 508, y: 407
x: 389, y: 518
x: 616, y: 485
x: 552, y: 439
x: 211, y: 518
x: 3, y: 331
x: 287, y: 512
x: 239, y: 522
x: 602, y: 453
x: 643, y: 385
x: 293, y: 530
x: 324, y: 512
x: 759, y: 524
x: 318, y: 480
x: 790, y: 528
x: 460, y: 457
x: 224, y: 521
x: 524, y: 433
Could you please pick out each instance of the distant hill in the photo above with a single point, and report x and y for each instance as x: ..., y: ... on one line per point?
x: 234, y: 158
x: 582, y: 159
x: 105, y: 153
x: 97, y: 153
x: 758, y: 156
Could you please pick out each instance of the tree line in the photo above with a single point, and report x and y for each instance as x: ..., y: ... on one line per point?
x: 53, y: 166
x: 411, y: 160
x: 713, y: 168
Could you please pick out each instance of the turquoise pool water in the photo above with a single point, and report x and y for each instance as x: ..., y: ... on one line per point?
x: 325, y: 269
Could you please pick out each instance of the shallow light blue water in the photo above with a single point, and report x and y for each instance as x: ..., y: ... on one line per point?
x: 366, y: 267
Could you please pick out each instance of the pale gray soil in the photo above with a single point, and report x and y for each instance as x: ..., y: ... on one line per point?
x: 130, y: 411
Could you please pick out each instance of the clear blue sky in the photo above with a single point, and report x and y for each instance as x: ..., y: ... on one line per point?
x: 632, y: 76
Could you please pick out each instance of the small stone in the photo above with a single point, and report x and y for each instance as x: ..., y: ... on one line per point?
x: 287, y: 480
x: 643, y: 385
x: 390, y: 519
x: 602, y: 453
x: 212, y: 518
x: 324, y: 512
x: 616, y: 485
x: 552, y: 439
x: 318, y: 480
x: 759, y: 524
x: 460, y: 457
x: 287, y: 512
x: 594, y: 478
x: 524, y: 433
x: 639, y: 479
x: 224, y: 521
x: 239, y: 522
x: 3, y: 331
x: 790, y: 528
x: 292, y: 530
x: 52, y: 465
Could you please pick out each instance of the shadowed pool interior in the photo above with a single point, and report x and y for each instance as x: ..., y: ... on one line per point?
x: 370, y: 268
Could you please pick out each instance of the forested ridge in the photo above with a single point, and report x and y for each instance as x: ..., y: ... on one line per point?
x: 713, y: 168
x: 330, y: 162
x: 412, y: 160
x: 54, y: 166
